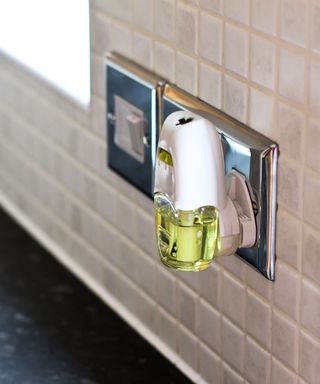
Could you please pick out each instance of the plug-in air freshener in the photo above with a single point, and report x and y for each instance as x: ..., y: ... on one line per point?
x: 196, y: 219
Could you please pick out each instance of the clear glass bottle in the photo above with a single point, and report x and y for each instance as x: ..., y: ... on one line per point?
x: 187, y: 240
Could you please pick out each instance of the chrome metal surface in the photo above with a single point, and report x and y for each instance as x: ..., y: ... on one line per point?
x: 250, y: 153
x: 142, y: 89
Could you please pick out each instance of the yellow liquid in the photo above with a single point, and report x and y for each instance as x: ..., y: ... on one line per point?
x: 187, y: 240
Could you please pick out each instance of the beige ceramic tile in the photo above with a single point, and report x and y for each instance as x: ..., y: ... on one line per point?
x: 121, y: 39
x: 293, y: 18
x: 110, y: 279
x: 236, y: 43
x: 289, y: 192
x: 191, y: 2
x: 121, y: 258
x: 143, y: 50
x: 291, y: 128
x: 164, y: 61
x: 291, y: 83
x: 210, y: 284
x: 188, y: 347
x: 257, y: 363
x: 230, y: 376
x: 100, y: 36
x: 259, y: 283
x: 235, y: 98
x: 314, y: 92
x: 235, y: 265
x: 210, y: 38
x: 209, y: 325
x: 313, y: 144
x: 311, y: 200
x: 210, y: 85
x: 288, y: 244
x: 264, y: 16
x: 98, y: 116
x: 309, y: 358
x: 262, y: 61
x: 120, y: 9
x: 166, y: 290
x: 286, y: 290
x: 143, y: 14
x: 187, y: 301
x: 281, y: 374
x: 233, y: 299
x: 258, y: 319
x: 233, y: 345
x: 190, y: 279
x: 145, y: 309
x: 237, y: 10
x: 261, y: 112
x: 145, y: 230
x: 167, y: 328
x: 186, y: 73
x: 209, y: 365
x: 124, y: 208
x: 315, y: 23
x: 285, y: 337
x: 211, y: 5
x: 186, y: 29
x: 310, y: 307
x: 311, y: 252
x: 144, y: 273
x: 164, y: 19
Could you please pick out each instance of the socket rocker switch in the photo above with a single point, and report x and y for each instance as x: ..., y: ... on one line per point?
x: 134, y: 97
x: 129, y: 128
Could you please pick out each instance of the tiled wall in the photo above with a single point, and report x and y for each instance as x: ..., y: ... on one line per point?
x: 258, y: 60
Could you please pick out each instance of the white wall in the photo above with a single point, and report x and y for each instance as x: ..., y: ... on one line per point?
x: 38, y: 33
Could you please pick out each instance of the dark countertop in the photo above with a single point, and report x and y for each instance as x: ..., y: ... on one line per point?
x: 54, y: 330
